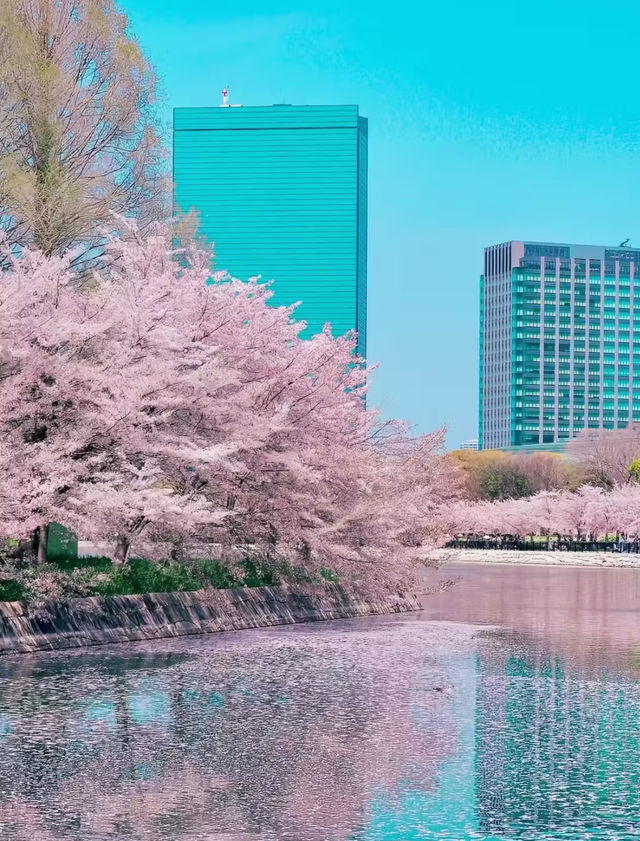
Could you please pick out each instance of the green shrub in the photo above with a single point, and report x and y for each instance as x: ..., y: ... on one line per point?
x: 139, y: 576
x: 72, y: 577
x: 68, y: 564
x: 11, y: 590
x: 258, y: 574
x: 214, y: 574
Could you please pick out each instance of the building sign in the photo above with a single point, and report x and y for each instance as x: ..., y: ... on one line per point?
x: 629, y: 254
x: 532, y: 249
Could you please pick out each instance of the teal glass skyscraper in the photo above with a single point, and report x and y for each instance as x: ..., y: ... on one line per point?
x: 281, y: 191
x: 559, y: 342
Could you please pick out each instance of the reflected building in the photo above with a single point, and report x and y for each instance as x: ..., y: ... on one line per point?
x: 553, y: 753
x: 283, y: 737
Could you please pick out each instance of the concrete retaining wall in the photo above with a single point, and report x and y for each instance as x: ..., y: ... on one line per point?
x: 96, y: 621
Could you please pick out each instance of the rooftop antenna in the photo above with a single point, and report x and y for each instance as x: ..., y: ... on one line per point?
x: 225, y: 95
x: 625, y: 243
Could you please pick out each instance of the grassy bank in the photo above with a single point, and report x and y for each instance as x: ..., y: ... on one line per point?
x: 99, y: 577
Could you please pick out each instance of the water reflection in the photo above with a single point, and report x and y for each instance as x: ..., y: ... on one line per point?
x: 590, y: 615
x: 554, y: 729
x: 276, y: 735
x: 557, y: 749
x: 394, y: 729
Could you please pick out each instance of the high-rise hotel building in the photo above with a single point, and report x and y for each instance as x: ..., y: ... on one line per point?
x: 282, y: 192
x: 559, y: 342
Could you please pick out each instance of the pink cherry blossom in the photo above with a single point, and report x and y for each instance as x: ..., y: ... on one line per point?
x: 158, y: 405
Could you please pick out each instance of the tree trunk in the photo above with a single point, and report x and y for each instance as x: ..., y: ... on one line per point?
x: 122, y: 550
x: 177, y: 553
x: 39, y: 545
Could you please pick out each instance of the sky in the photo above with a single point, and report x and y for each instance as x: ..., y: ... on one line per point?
x: 487, y: 122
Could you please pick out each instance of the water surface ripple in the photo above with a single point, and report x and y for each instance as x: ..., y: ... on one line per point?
x: 509, y: 709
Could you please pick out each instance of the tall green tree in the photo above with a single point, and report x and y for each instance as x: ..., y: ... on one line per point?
x: 79, y: 135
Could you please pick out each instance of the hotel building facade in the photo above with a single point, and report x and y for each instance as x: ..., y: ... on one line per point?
x: 559, y: 342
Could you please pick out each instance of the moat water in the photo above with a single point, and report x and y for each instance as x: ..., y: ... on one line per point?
x: 508, y: 709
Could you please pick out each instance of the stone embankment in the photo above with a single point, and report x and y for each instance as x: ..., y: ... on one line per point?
x: 97, y: 621
x: 542, y: 558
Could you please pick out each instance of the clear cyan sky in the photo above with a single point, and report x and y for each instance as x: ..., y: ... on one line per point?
x: 487, y: 122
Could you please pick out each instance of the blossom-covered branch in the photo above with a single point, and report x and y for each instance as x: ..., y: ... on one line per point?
x: 156, y: 405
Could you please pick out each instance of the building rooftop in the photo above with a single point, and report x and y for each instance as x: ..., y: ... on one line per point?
x: 266, y: 117
x: 565, y: 250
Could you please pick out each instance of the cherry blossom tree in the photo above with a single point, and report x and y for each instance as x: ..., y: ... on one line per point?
x: 157, y: 405
x: 605, y: 455
x: 589, y: 513
x: 47, y: 391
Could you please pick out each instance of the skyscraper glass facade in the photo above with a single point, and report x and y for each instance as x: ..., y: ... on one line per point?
x: 559, y: 342
x: 282, y: 192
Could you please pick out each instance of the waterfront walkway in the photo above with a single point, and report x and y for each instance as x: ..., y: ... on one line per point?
x: 540, y: 558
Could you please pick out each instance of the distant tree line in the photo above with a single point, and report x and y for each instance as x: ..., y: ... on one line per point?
x: 599, y: 457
